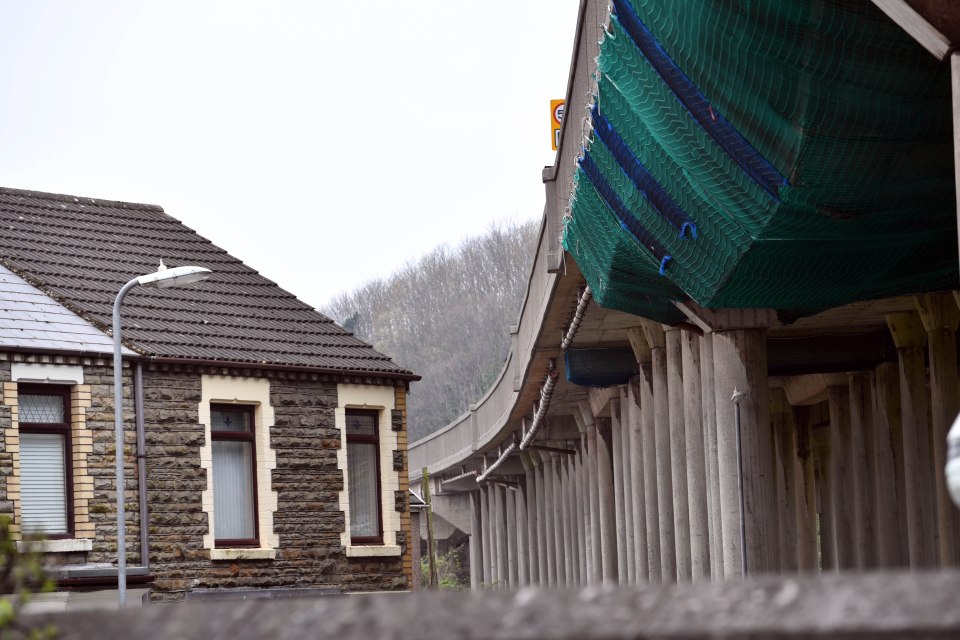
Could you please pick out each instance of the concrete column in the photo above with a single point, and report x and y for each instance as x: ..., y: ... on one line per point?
x: 909, y: 336
x: 569, y: 555
x: 512, y: 533
x: 627, y: 478
x: 637, y: 490
x: 581, y: 513
x: 940, y: 317
x: 709, y: 403
x: 841, y: 448
x: 740, y: 363
x: 575, y: 546
x: 543, y: 531
x: 585, y: 500
x: 678, y: 453
x: 661, y: 420
x: 825, y: 493
x: 616, y: 453
x: 523, y: 542
x: 806, y: 509
x: 890, y: 490
x: 608, y: 525
x: 556, y: 504
x: 781, y: 421
x: 596, y: 576
x: 550, y: 523
x: 695, y: 457
x: 651, y: 490
x: 533, y: 538
x: 487, y: 536
x: 476, y: 542
x: 500, y: 522
x: 863, y: 463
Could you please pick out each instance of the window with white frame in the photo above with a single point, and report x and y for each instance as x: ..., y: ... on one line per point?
x: 45, y: 460
x: 232, y: 433
x: 363, y: 468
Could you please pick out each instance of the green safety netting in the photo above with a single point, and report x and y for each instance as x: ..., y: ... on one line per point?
x: 792, y: 154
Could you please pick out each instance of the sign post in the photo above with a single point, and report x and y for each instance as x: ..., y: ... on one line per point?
x: 556, y: 120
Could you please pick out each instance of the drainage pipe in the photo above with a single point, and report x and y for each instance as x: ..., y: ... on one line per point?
x: 141, y: 467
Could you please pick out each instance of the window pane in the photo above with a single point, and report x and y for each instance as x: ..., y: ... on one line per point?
x: 362, y: 476
x: 226, y: 418
x: 43, y: 491
x: 364, y: 424
x: 233, y: 490
x: 45, y: 409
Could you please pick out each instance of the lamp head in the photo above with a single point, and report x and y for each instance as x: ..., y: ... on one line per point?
x: 171, y: 277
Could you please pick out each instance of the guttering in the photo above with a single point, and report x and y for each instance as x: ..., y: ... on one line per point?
x: 546, y: 392
x: 343, y: 373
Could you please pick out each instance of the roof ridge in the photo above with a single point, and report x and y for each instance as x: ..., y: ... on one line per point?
x: 60, y: 197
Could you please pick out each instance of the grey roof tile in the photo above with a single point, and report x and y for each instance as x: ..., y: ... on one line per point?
x: 80, y: 251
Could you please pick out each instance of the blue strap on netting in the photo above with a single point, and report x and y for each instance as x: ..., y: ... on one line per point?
x: 628, y: 222
x: 688, y: 226
x: 631, y: 166
x: 663, y: 264
x: 687, y: 93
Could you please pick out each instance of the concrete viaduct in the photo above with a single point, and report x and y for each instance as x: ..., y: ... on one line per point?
x: 725, y: 441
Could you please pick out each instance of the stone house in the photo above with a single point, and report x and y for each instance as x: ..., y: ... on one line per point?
x: 265, y: 446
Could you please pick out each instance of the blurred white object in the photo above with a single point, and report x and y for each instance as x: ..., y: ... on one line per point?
x: 953, y: 461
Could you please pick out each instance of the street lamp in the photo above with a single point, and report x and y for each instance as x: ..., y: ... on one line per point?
x: 160, y: 279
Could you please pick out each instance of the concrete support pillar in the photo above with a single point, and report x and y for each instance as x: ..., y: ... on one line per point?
x: 890, y: 489
x: 550, y: 523
x: 585, y: 417
x: 629, y: 501
x: 695, y: 457
x: 661, y: 420
x: 678, y: 453
x: 523, y: 542
x: 533, y: 538
x: 487, y: 536
x: 825, y: 492
x: 581, y: 513
x: 608, y: 525
x: 863, y: 464
x: 543, y: 526
x: 584, y: 505
x: 512, y: 534
x: 616, y: 453
x: 940, y: 317
x: 740, y: 364
x: 787, y: 476
x: 909, y: 336
x: 637, y: 490
x: 566, y: 490
x: 842, y: 497
x: 476, y: 542
x: 806, y: 509
x: 714, y: 520
x: 500, y: 522
x: 556, y: 504
x: 651, y: 489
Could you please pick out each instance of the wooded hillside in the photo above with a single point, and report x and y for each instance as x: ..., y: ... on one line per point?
x: 446, y: 317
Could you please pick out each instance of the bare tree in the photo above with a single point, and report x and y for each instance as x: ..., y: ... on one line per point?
x: 446, y: 316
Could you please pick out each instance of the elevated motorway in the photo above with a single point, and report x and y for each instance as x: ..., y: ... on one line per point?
x: 784, y: 416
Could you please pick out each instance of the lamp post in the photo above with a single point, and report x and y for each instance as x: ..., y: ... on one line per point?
x: 161, y: 279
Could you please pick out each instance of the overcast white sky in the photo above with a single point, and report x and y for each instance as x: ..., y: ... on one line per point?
x: 323, y: 143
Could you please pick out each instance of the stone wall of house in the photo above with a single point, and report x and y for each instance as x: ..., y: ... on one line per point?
x: 94, y: 486
x: 308, y: 521
x: 307, y: 480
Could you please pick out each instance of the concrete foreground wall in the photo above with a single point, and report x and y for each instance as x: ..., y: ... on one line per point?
x: 877, y: 605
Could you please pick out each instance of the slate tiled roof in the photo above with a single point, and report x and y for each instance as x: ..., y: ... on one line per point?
x: 80, y: 251
x: 31, y: 320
